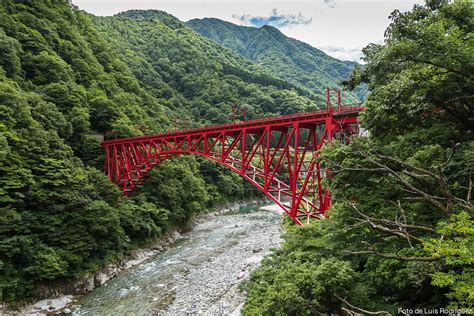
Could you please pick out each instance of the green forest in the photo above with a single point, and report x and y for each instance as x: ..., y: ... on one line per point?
x: 400, y: 230
x: 66, y: 79
x: 285, y: 57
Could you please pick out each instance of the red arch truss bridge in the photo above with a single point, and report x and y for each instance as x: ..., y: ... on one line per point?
x: 278, y: 155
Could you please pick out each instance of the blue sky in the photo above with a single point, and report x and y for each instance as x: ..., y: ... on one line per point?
x: 341, y: 28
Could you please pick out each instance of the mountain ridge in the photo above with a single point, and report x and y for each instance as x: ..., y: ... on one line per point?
x: 288, y: 58
x: 197, y: 67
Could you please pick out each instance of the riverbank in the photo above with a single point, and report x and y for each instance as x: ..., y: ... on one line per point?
x: 58, y: 298
x: 199, y: 274
x: 213, y: 288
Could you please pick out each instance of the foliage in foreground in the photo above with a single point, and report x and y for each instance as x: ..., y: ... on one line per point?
x: 402, y: 231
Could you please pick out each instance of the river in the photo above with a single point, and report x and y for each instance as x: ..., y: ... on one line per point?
x: 199, y: 274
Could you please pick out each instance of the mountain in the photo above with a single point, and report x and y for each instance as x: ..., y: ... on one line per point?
x: 285, y: 57
x: 66, y: 77
x: 195, y: 77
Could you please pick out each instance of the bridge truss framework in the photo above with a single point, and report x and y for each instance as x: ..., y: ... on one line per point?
x: 278, y: 155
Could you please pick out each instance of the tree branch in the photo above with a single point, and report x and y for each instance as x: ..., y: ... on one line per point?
x: 360, y: 309
x: 406, y: 165
x: 430, y: 198
x: 403, y: 233
x: 396, y: 257
x: 469, y: 190
x: 464, y: 97
x: 429, y: 62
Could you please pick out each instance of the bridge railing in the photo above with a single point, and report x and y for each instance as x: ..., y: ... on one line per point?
x: 286, y: 117
x: 344, y: 108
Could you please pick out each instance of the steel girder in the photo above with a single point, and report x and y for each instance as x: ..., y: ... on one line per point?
x: 278, y: 155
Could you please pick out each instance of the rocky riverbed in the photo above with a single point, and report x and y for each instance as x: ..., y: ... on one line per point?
x: 199, y: 274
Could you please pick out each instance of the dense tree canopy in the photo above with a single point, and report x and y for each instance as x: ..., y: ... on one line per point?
x: 401, y: 232
x: 200, y: 80
x: 62, y: 85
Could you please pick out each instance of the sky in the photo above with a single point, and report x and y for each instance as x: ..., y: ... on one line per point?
x: 341, y: 28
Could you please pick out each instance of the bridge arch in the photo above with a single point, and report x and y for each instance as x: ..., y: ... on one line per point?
x: 278, y: 155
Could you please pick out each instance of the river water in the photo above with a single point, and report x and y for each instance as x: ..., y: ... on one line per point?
x: 199, y: 274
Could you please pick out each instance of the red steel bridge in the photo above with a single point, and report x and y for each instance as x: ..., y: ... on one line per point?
x: 278, y: 155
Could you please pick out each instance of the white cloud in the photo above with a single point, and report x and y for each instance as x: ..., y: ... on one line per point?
x: 342, y: 53
x: 273, y: 18
x: 330, y: 3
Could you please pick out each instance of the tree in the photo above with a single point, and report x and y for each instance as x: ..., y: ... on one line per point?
x: 46, y: 68
x: 9, y: 54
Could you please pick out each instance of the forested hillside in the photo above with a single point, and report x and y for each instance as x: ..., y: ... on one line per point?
x: 192, y: 75
x: 63, y: 84
x: 401, y: 231
x: 285, y: 57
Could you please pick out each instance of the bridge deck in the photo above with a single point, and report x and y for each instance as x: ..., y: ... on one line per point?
x: 346, y: 110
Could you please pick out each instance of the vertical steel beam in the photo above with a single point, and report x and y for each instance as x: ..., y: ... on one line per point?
x: 294, y: 207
